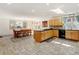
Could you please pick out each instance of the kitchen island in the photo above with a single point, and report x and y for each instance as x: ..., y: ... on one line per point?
x: 43, y: 35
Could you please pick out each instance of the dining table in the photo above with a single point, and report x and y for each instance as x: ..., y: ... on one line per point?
x: 21, y: 33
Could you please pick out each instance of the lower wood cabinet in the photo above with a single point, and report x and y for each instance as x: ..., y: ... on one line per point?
x: 72, y: 34
x: 68, y: 34
x: 42, y: 35
x: 55, y: 33
x: 39, y: 36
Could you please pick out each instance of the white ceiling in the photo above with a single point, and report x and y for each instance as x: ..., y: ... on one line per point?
x: 38, y: 9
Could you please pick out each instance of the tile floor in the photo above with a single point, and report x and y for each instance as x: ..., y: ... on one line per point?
x: 27, y: 46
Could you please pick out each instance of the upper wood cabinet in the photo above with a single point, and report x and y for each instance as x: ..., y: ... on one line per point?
x: 56, y: 21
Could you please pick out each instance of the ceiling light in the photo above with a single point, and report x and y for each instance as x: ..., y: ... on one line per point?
x: 33, y: 10
x: 47, y: 4
x: 9, y: 3
x: 58, y: 11
x: 77, y: 4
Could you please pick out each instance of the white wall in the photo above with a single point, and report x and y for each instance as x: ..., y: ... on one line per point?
x: 4, y: 26
x: 4, y: 23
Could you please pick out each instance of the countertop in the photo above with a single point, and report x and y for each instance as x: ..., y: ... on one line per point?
x: 57, y: 29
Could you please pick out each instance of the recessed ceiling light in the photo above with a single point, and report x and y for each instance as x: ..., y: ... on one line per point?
x: 47, y: 4
x: 9, y: 3
x: 58, y: 11
x: 33, y: 10
x: 77, y: 4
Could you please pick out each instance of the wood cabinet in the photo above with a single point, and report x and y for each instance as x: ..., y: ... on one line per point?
x: 55, y: 33
x: 49, y: 33
x: 50, y: 22
x: 38, y: 36
x: 55, y: 22
x: 68, y: 34
x: 72, y: 34
x: 42, y: 35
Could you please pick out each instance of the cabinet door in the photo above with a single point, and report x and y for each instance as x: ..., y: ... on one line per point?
x: 55, y: 33
x: 75, y: 35
x: 37, y: 36
x: 55, y: 22
x: 47, y: 34
x: 43, y: 36
x: 50, y: 22
x: 68, y: 34
x: 50, y: 33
